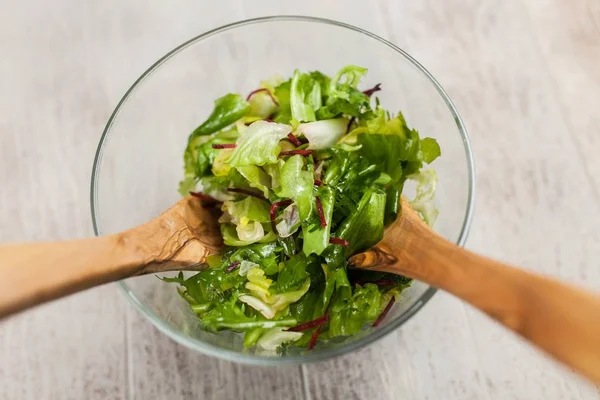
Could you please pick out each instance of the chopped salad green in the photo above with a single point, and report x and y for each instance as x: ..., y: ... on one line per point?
x: 307, y: 172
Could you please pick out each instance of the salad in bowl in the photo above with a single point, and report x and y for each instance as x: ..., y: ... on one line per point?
x: 307, y: 171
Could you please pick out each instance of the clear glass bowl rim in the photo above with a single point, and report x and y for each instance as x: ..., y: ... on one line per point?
x: 322, y: 354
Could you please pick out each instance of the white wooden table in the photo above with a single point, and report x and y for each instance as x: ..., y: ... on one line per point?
x: 525, y: 74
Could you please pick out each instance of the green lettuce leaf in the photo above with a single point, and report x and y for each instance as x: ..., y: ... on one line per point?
x: 392, y: 204
x: 259, y: 145
x: 349, y: 314
x: 343, y: 97
x: 282, y: 93
x: 248, y: 209
x: 305, y: 96
x: 264, y: 255
x: 430, y: 149
x: 268, y: 304
x: 323, y: 134
x: 378, y: 121
x: 227, y: 110
x: 262, y: 105
x: 316, y: 238
x: 352, y: 107
x: 199, y: 155
x: 383, y: 151
x: 231, y: 238
x: 231, y: 314
x: 252, y: 336
x: 336, y: 282
x: 368, y: 217
x: 256, y: 178
x: 294, y: 272
x: 297, y: 184
x: 187, y: 185
x: 275, y: 337
x: 347, y: 77
x: 423, y: 201
x: 398, y: 151
x: 208, y: 286
x: 304, y: 309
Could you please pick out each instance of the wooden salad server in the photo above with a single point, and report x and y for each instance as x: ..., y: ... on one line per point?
x: 558, y: 318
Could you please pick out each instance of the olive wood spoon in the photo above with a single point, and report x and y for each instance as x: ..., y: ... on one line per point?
x: 558, y: 318
x: 180, y: 238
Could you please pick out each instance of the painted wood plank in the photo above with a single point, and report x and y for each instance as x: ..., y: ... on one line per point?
x: 568, y: 38
x: 52, y: 108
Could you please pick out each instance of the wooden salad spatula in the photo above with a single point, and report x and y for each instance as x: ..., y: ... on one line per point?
x: 560, y: 319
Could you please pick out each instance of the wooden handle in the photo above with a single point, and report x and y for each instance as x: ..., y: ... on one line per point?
x: 559, y: 318
x: 31, y: 274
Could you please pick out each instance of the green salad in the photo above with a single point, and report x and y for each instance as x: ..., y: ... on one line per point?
x: 307, y: 172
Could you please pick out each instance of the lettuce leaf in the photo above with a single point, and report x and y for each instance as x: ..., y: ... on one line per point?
x: 352, y: 107
x: 199, y: 154
x: 231, y: 314
x: 423, y: 201
x: 430, y: 149
x: 305, y: 96
x: 268, y: 304
x: 304, y: 309
x: 336, y: 282
x: 227, y: 110
x: 187, y: 185
x: 343, y: 97
x: 264, y: 255
x: 394, y: 148
x: 262, y: 105
x: 316, y: 237
x: 231, y: 238
x: 256, y: 178
x: 368, y: 217
x: 297, y: 184
x: 282, y: 93
x: 288, y: 222
x: 346, y: 78
x: 349, y: 314
x: 208, y: 286
x: 294, y: 272
x: 259, y: 145
x: 275, y: 337
x: 248, y: 209
x: 323, y: 134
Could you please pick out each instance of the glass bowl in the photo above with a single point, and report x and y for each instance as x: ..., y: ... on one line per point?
x: 139, y: 159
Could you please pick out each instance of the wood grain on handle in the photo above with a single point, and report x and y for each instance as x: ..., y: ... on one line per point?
x: 34, y: 273
x: 31, y: 274
x: 558, y: 318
